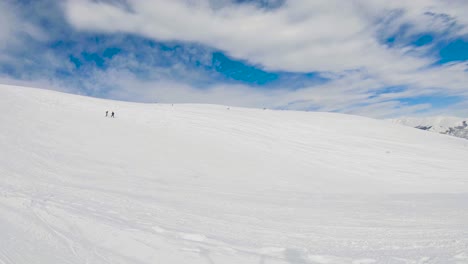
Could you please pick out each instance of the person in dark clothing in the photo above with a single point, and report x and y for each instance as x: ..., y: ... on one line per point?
x: 112, y: 115
x: 107, y: 112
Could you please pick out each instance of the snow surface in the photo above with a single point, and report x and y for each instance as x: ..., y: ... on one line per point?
x: 207, y: 184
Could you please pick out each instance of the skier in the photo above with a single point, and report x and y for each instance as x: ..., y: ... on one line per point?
x: 112, y: 115
x: 107, y: 112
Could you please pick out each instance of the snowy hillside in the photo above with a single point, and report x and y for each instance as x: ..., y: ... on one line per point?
x: 207, y: 184
x: 453, y: 126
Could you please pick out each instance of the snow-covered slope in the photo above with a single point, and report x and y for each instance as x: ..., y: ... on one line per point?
x: 207, y: 184
x: 453, y: 126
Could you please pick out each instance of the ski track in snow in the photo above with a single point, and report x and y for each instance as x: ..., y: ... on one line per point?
x: 203, y: 184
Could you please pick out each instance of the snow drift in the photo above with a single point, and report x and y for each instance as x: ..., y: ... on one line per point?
x: 208, y: 184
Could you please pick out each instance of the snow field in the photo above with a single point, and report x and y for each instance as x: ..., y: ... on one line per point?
x: 204, y: 184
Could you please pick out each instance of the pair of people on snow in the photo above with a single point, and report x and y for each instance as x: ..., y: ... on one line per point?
x: 112, y: 114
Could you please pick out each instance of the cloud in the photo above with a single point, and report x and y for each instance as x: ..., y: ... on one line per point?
x: 301, y: 35
x: 13, y: 29
x: 327, y: 36
x: 345, y: 44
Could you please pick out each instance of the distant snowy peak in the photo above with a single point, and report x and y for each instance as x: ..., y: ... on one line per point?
x: 453, y: 126
x: 438, y: 124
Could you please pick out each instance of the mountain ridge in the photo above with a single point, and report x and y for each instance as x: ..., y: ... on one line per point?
x: 453, y: 126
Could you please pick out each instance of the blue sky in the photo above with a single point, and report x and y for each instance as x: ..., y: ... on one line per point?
x: 363, y: 57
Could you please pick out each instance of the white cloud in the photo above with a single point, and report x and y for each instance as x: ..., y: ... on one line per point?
x: 12, y: 27
x: 12, y: 31
x: 300, y: 36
